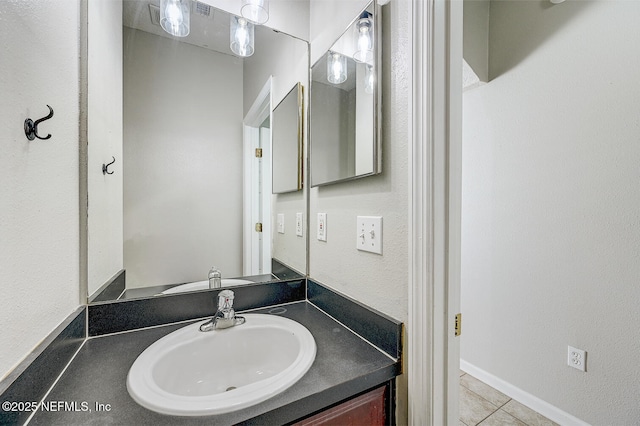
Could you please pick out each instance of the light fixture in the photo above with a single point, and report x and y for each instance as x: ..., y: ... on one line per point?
x: 363, y: 34
x: 369, y: 79
x: 256, y: 11
x: 336, y: 68
x: 175, y: 17
x: 241, y: 34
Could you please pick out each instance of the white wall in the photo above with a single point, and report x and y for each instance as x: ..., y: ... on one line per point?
x: 183, y: 164
x: 284, y: 58
x: 328, y: 20
x: 476, y: 37
x: 39, y: 229
x: 551, y: 206
x: 377, y: 281
x: 105, y: 142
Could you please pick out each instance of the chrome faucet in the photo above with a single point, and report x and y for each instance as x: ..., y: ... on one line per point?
x: 215, y: 278
x: 225, y: 317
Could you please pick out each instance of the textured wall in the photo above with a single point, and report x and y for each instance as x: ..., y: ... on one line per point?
x: 183, y: 162
x: 378, y: 281
x: 551, y: 210
x: 39, y: 225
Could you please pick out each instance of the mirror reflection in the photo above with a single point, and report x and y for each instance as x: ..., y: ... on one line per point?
x: 287, y: 143
x: 344, y: 106
x: 195, y: 196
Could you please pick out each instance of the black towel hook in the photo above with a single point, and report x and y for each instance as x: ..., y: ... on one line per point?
x: 105, y: 167
x: 31, y: 127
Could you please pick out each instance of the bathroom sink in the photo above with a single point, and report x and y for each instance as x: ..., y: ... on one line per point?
x: 195, y: 373
x: 204, y: 285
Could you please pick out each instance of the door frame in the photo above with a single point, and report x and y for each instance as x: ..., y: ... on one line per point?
x: 251, y: 255
x: 434, y: 212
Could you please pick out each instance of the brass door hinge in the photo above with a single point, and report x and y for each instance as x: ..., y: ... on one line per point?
x: 458, y: 324
x: 258, y: 227
x: 258, y: 152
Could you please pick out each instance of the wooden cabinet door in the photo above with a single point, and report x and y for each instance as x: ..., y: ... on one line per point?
x: 365, y: 410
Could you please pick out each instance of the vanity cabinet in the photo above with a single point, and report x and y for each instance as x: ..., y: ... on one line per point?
x: 368, y: 409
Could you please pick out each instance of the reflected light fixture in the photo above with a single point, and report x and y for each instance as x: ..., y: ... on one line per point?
x: 256, y: 11
x: 175, y: 17
x: 369, y: 79
x: 363, y: 34
x: 336, y: 68
x: 241, y: 34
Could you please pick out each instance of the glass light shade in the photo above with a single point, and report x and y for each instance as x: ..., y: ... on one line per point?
x: 336, y: 68
x: 369, y: 79
x: 256, y: 11
x: 175, y: 17
x: 364, y: 40
x: 241, y: 34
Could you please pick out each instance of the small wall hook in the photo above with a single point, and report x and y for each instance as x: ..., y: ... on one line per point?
x: 31, y: 127
x: 105, y: 167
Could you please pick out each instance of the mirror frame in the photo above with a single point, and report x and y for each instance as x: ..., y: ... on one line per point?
x: 377, y: 98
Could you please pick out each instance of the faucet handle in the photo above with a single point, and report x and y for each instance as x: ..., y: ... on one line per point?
x: 225, y: 299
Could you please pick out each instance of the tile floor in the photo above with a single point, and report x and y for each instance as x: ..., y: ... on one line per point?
x: 480, y: 404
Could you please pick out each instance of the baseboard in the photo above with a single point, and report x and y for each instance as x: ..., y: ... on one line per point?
x: 549, y: 411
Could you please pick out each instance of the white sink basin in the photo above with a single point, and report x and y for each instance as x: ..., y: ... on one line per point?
x: 195, y: 373
x: 204, y: 285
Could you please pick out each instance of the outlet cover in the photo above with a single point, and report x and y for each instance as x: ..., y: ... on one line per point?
x: 299, y: 224
x: 280, y: 223
x: 369, y: 234
x: 322, y: 227
x: 577, y: 358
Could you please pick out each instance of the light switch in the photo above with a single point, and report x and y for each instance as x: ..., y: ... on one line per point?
x: 299, y: 224
x: 280, y: 223
x: 369, y: 234
x: 322, y: 226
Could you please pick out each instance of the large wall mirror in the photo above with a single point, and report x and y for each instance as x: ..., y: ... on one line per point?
x: 344, y: 109
x: 193, y: 194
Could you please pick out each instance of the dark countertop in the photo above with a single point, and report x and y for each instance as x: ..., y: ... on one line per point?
x: 345, y: 365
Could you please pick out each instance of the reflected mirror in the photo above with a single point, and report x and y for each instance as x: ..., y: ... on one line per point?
x: 344, y: 106
x: 194, y: 195
x: 287, y: 143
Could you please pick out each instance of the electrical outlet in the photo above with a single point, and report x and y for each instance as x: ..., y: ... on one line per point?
x: 322, y: 226
x: 577, y: 358
x: 280, y: 223
x: 299, y: 224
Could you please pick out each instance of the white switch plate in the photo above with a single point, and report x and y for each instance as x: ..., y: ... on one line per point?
x: 299, y: 224
x: 369, y: 234
x: 280, y: 223
x: 322, y: 226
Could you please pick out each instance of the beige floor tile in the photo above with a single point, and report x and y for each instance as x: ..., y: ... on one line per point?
x: 462, y: 373
x: 461, y: 423
x: 526, y: 414
x: 484, y: 390
x: 473, y: 408
x: 501, y: 418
